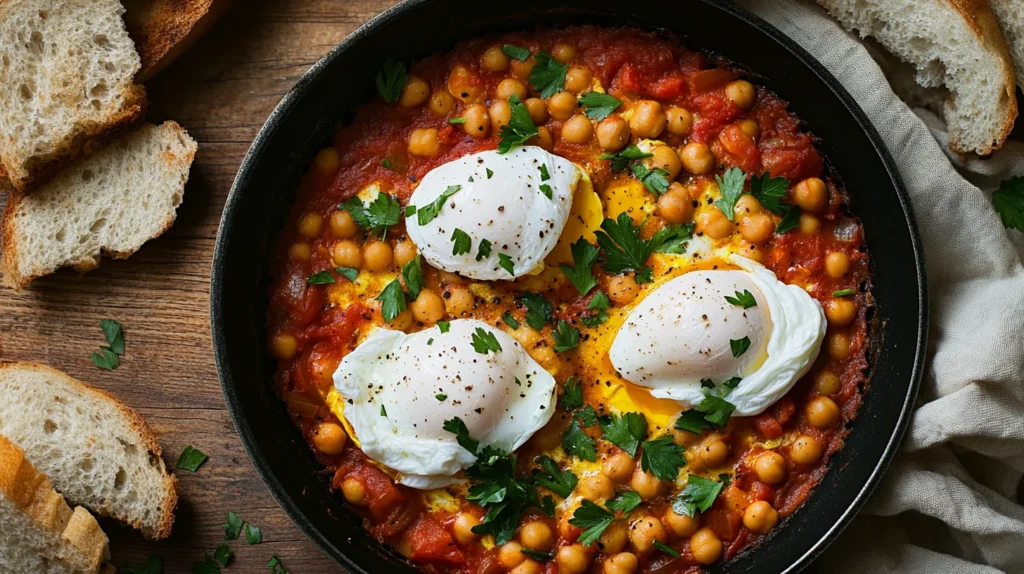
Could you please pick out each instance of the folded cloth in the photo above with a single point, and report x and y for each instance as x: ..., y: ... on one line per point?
x: 951, y: 500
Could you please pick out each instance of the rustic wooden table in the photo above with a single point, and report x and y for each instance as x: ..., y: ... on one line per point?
x: 221, y: 92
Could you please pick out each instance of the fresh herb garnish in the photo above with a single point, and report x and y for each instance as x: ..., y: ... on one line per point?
x: 671, y: 238
x: 595, y: 320
x: 386, y: 163
x: 1008, y: 202
x: 731, y: 186
x: 770, y: 191
x: 412, y: 271
x: 253, y: 535
x: 483, y: 250
x: 744, y: 299
x: 716, y: 410
x: 662, y: 458
x: 538, y: 310
x: 692, y: 420
x: 598, y: 106
x: 566, y: 336
x: 392, y: 301
x: 516, y: 52
x: 593, y: 519
x: 489, y: 173
x: 584, y: 255
x: 505, y: 262
x: 561, y: 482
x: 739, y: 346
x: 548, y: 75
x: 427, y: 213
x: 519, y: 128
x: 383, y: 212
x: 620, y: 159
x: 843, y: 293
x: 599, y: 301
x: 544, y: 175
x: 383, y: 411
x: 510, y: 320
x: 320, y: 278
x: 462, y: 242
x: 276, y: 566
x: 623, y: 248
x: 456, y: 121
x: 625, y: 431
x: 109, y: 356
x: 444, y: 326
x: 190, y: 459
x: 441, y: 397
x: 538, y: 555
x: 485, y: 342
x: 700, y: 493
x: 666, y: 549
x: 655, y: 180
x: 233, y: 526
x: 391, y: 79
x: 625, y: 502
x: 578, y: 444
x: 546, y: 190
x: 347, y: 272
x: 572, y: 398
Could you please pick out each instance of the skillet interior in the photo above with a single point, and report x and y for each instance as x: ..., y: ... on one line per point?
x: 326, y: 95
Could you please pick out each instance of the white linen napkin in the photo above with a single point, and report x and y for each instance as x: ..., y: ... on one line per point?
x: 951, y: 500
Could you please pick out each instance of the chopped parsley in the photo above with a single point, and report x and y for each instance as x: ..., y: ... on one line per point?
x: 770, y: 191
x: 623, y: 248
x: 538, y: 310
x: 505, y: 262
x: 655, y: 180
x: 347, y: 272
x: 548, y: 76
x: 516, y: 52
x: 253, y: 535
x: 566, y: 336
x: 510, y: 320
x: 593, y: 519
x: 693, y: 421
x: 595, y: 320
x: 519, y: 128
x: 383, y: 212
x: 546, y: 190
x: 572, y: 398
x: 625, y: 431
x: 584, y: 255
x: 598, y: 106
x: 578, y: 444
x: 441, y: 397
x: 672, y: 238
x: 1008, y: 202
x: 600, y: 303
x: 538, y: 555
x: 458, y: 428
x: 620, y: 159
x: 700, y: 493
x: 462, y: 242
x: 561, y: 482
x: 666, y: 549
x: 662, y: 458
x: 731, y: 186
x: 843, y: 293
x: 716, y: 410
x: 739, y: 346
x: 413, y: 274
x: 383, y: 411
x: 456, y: 121
x: 544, y: 175
x: 275, y: 565
x: 427, y: 213
x: 744, y: 299
x: 391, y: 79
x: 386, y: 163
x: 444, y: 326
x: 489, y: 172
x: 392, y: 301
x: 790, y: 220
x: 233, y: 526
x: 191, y: 459
x: 109, y: 356
x: 625, y: 502
x: 483, y: 251
x: 320, y: 278
x: 485, y: 342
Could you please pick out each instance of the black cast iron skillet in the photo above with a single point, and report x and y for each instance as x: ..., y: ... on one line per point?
x: 343, y: 79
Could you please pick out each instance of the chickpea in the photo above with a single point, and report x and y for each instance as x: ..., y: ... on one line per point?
x: 458, y: 301
x: 618, y: 467
x: 494, y: 60
x: 809, y: 224
x: 405, y: 251
x: 511, y: 555
x: 757, y: 229
x: 750, y: 127
x: 680, y: 120
x: 770, y: 467
x: 837, y: 264
x: 681, y: 524
x: 715, y: 224
x: 522, y: 70
x: 578, y: 79
x: 667, y: 159
x: 614, y: 538
x: 346, y: 253
x: 760, y: 517
x: 596, y: 487
x: 284, y: 346
x: 377, y: 255
x: 572, y: 559
x: 622, y: 289
x: 537, y: 535
x: 578, y: 130
x: 414, y: 93
x: 613, y: 133
x: 564, y: 53
x: 562, y: 105
x: 697, y: 158
x: 675, y: 204
x: 827, y: 383
x: 424, y: 142
x: 327, y: 161
x: 751, y: 251
x: 742, y: 93
x: 441, y: 103
x: 646, y: 484
x: 747, y: 205
x: 509, y: 87
x: 705, y: 546
x: 478, y: 121
x: 300, y: 251
x: 621, y: 563
x: 354, y: 491
x: 501, y: 114
x: 401, y: 322
x: 805, y: 450
x: 838, y: 346
x: 342, y: 225
x: 543, y: 139
x: 330, y: 438
x: 810, y: 194
x: 449, y: 278
x: 310, y: 225
x: 823, y: 412
x: 683, y: 437
x: 713, y: 452
x: 462, y: 528
x: 538, y: 110
x: 841, y: 312
x: 648, y: 120
x: 645, y: 531
x: 527, y: 567
x: 428, y: 307
x: 464, y: 85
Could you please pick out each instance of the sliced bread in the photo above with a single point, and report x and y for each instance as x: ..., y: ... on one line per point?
x: 67, y: 73
x: 39, y: 532
x: 164, y: 29
x: 97, y: 451
x: 109, y: 203
x: 956, y: 43
x: 1010, y: 14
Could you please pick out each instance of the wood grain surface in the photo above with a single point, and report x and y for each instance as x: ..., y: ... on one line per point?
x: 221, y: 91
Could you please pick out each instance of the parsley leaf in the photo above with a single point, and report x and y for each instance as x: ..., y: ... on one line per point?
x: 592, y: 519
x: 413, y: 274
x: 621, y: 158
x: 744, y: 299
x: 427, y: 213
x: 505, y: 262
x: 566, y: 336
x: 599, y: 106
x: 538, y: 555
x: 666, y: 549
x: 548, y: 75
x: 578, y: 444
x: 770, y: 191
x: 572, y: 398
x: 516, y: 52
x: 320, y: 278
x: 391, y: 79
x: 716, y: 410
x: 623, y: 248
x: 739, y: 346
x: 113, y: 334
x: 654, y: 180
x: 599, y: 301
x: 191, y: 459
x: 547, y: 191
x: 538, y: 310
x: 456, y: 121
x: 463, y: 242
x: 276, y: 566
x: 584, y: 255
x: 672, y: 238
x: 662, y: 458
x: 1008, y: 202
x: 382, y: 213
x: 842, y: 293
x: 253, y: 535
x: 233, y: 527
x: 595, y: 320
x: 625, y: 431
x: 441, y: 397
x: 510, y: 320
x: 347, y: 272
x: 105, y: 359
x: 561, y: 482
x: 625, y: 502
x: 392, y: 301
x: 354, y: 206
x: 444, y: 326
x: 483, y: 250
x: 485, y: 341
x: 731, y: 186
x: 457, y: 427
x: 519, y: 128
x: 489, y: 173
x: 700, y: 493
x: 790, y: 219
x: 544, y: 175
x: 587, y: 416
x: 692, y: 420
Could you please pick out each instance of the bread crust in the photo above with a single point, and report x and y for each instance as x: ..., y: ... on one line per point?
x: 138, y: 426
x: 163, y: 29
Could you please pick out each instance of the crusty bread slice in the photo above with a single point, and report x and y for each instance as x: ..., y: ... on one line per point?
x: 39, y: 532
x: 97, y: 451
x: 1010, y: 14
x: 164, y: 29
x: 956, y: 43
x: 67, y: 73
x: 108, y: 203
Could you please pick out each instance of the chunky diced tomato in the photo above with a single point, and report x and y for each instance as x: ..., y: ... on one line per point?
x: 667, y: 87
x: 761, y: 491
x: 431, y: 541
x: 707, y: 80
